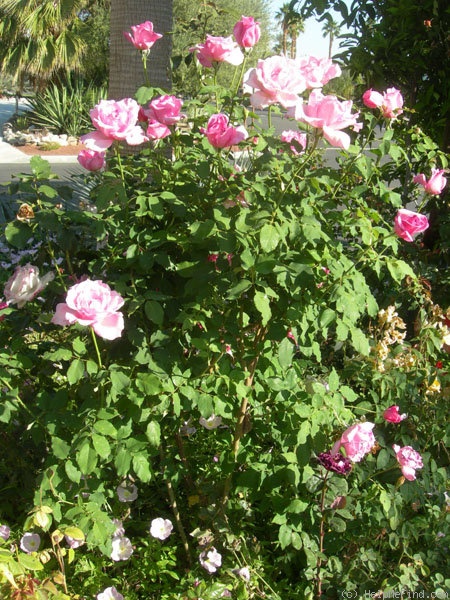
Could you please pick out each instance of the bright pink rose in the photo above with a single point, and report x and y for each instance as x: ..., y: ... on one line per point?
x: 290, y: 135
x: 329, y: 114
x: 91, y: 160
x: 114, y: 121
x: 157, y: 130
x: 222, y: 135
x: 218, y: 49
x: 357, y: 441
x: 392, y: 414
x: 409, y: 460
x: 165, y: 109
x: 318, y: 71
x: 407, y: 223
x: 275, y: 80
x: 435, y: 184
x: 93, y: 304
x: 143, y: 36
x: 247, y: 32
x: 390, y: 103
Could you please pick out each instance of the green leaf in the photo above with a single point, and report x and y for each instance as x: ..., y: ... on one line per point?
x: 269, y: 237
x: 74, y: 532
x: 72, y: 472
x: 30, y: 562
x: 119, y: 380
x: 101, y: 445
x: 18, y: 234
x: 360, y: 342
x: 285, y: 353
x: 154, y: 312
x: 40, y: 167
x: 122, y: 462
x: 76, y: 371
x: 105, y: 428
x: 237, y: 290
x: 60, y: 448
x: 86, y: 459
x: 153, y: 433
x: 141, y: 467
x: 262, y: 304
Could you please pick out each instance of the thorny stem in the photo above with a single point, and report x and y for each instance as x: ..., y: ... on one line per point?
x: 321, y: 536
x: 174, y: 506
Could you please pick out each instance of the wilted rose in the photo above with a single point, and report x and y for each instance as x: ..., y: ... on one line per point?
x: 25, y: 285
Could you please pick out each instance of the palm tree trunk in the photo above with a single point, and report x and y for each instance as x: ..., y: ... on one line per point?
x: 330, y: 45
x: 126, y: 71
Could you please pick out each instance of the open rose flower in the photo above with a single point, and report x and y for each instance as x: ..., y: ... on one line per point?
x: 110, y: 593
x: 357, y: 441
x: 317, y: 72
x: 296, y: 140
x: 408, y: 223
x: 275, y: 80
x: 114, y: 120
x: 435, y: 184
x: 390, y: 102
x: 161, y: 528
x: 392, y: 414
x: 165, y: 109
x: 409, y: 460
x: 25, y: 284
x: 93, y: 304
x: 217, y: 50
x: 91, y: 159
x: 121, y: 549
x: 210, y: 560
x: 222, y: 135
x: 211, y: 422
x: 247, y: 32
x: 142, y: 37
x: 329, y: 114
x: 30, y: 542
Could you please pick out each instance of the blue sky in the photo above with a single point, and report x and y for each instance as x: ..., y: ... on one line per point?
x: 311, y: 42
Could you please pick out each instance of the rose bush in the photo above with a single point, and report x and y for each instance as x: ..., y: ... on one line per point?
x: 229, y: 324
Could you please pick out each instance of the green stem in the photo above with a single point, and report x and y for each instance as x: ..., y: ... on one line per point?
x: 94, y: 338
x: 321, y: 536
x: 145, y: 55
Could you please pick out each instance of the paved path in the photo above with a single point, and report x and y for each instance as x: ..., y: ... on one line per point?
x: 13, y: 161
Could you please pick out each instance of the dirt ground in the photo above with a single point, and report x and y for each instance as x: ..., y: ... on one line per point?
x: 32, y: 150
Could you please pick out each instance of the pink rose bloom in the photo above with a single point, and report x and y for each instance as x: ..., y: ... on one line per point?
x: 5, y: 532
x: 392, y: 414
x: 30, y: 542
x: 290, y: 135
x: 165, y: 109
x: 275, y: 80
x: 143, y: 36
x: 407, y: 223
x: 210, y: 560
x: 91, y: 160
x: 357, y: 441
x: 218, y: 49
x: 409, y: 460
x: 157, y: 130
x: 222, y: 135
x: 93, y: 304
x: 110, y: 593
x: 435, y: 184
x: 114, y: 121
x: 390, y: 103
x: 318, y: 71
x: 247, y: 32
x: 329, y: 114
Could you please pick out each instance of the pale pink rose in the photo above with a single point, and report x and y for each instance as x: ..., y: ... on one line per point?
x: 357, y: 441
x: 114, y: 120
x: 392, y: 414
x: 119, y: 528
x: 30, y: 542
x: 210, y: 560
x: 5, y: 532
x: 247, y: 32
x: 73, y: 542
x: 290, y: 136
x: 142, y: 37
x: 165, y: 109
x: 110, y: 593
x: 218, y: 49
x: 157, y: 130
x: 407, y: 223
x: 409, y: 460
x: 93, y: 304
x: 127, y: 492
x: 121, y: 549
x: 435, y: 184
x: 318, y: 71
x: 91, y: 159
x: 211, y: 422
x: 390, y: 102
x: 275, y: 80
x: 222, y: 135
x: 25, y: 284
x: 161, y: 528
x: 329, y: 114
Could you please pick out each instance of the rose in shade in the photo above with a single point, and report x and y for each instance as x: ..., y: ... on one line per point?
x: 392, y: 414
x: 408, y: 223
x: 127, y: 492
x: 121, y: 549
x: 210, y: 560
x: 30, y: 542
x: 161, y: 528
x: 337, y: 463
x: 296, y: 140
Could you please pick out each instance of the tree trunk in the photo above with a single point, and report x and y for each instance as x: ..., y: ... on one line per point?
x: 126, y: 71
